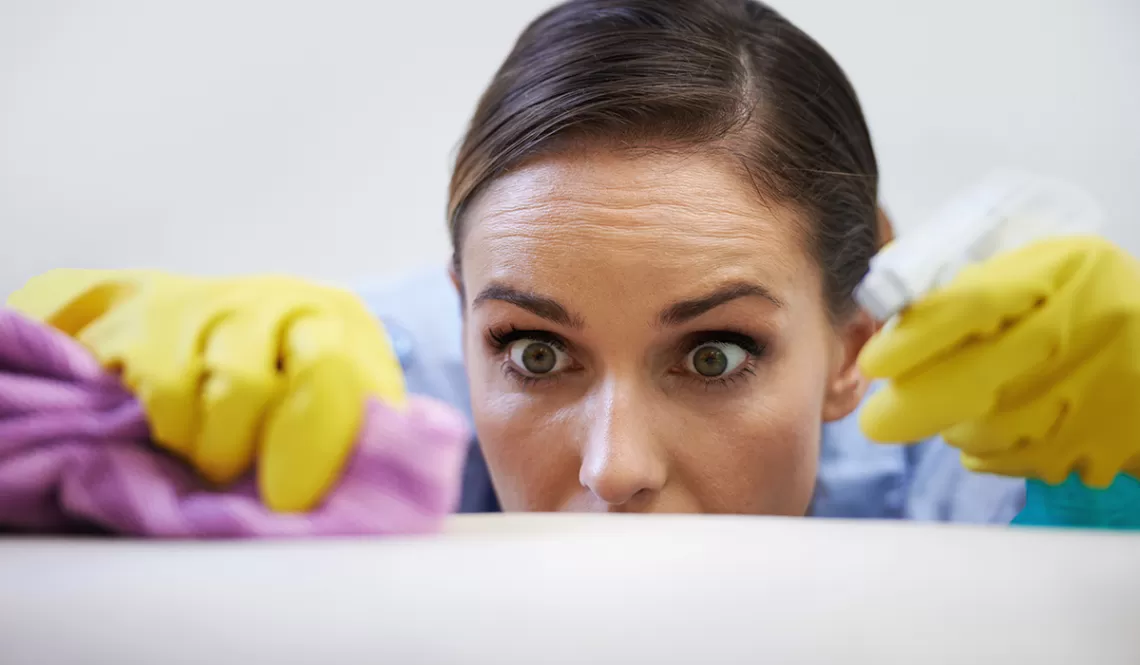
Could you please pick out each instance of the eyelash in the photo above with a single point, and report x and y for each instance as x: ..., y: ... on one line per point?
x: 501, y: 338
x: 750, y: 345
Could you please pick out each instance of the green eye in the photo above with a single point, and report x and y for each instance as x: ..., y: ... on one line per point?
x: 709, y: 361
x: 715, y: 359
x: 536, y: 358
x: 539, y: 358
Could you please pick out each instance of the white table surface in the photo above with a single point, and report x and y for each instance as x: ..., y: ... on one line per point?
x: 573, y: 589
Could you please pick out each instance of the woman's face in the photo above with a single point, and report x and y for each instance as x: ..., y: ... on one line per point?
x: 644, y: 334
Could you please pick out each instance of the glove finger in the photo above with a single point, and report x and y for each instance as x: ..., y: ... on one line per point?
x: 68, y: 299
x: 1008, y: 429
x: 962, y: 388
x: 1096, y: 472
x: 980, y: 302
x: 1101, y: 469
x: 370, y: 347
x: 164, y: 377
x: 1025, y: 463
x: 1038, y: 428
x: 311, y: 431
x: 378, y: 365
x: 241, y: 380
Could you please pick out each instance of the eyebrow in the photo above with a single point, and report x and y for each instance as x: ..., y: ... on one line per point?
x: 687, y: 310
x: 540, y: 306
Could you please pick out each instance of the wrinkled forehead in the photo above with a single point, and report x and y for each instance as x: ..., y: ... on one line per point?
x: 641, y: 228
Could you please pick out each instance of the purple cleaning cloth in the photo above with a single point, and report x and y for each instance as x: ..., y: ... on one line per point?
x: 75, y: 456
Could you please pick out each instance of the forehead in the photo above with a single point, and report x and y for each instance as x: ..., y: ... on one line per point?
x: 649, y: 226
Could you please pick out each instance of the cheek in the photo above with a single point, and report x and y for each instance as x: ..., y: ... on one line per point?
x: 526, y: 443
x: 762, y: 459
x: 758, y: 453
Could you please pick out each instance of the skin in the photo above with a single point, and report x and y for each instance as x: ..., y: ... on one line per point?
x: 619, y: 270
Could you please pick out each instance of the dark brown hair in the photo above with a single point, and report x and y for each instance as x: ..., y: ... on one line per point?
x: 718, y: 74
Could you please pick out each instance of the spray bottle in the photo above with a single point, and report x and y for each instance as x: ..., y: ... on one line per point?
x: 1004, y: 212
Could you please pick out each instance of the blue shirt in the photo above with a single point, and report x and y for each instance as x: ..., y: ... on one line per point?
x: 857, y: 478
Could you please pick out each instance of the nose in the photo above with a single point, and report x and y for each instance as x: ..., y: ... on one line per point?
x: 622, y: 464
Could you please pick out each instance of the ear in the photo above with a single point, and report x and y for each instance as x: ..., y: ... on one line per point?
x: 846, y: 385
x: 457, y: 282
x: 886, y: 228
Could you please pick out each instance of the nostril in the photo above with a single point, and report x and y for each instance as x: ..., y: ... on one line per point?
x: 642, y: 496
x: 618, y: 486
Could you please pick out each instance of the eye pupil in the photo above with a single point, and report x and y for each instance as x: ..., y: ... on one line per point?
x: 710, y: 361
x: 539, y: 358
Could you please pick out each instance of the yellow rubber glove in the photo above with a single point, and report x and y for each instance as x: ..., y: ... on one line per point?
x: 229, y: 370
x: 1028, y: 363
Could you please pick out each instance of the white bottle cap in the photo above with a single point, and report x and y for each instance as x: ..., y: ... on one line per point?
x: 882, y: 295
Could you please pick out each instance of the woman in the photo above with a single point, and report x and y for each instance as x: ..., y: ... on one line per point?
x: 659, y: 215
